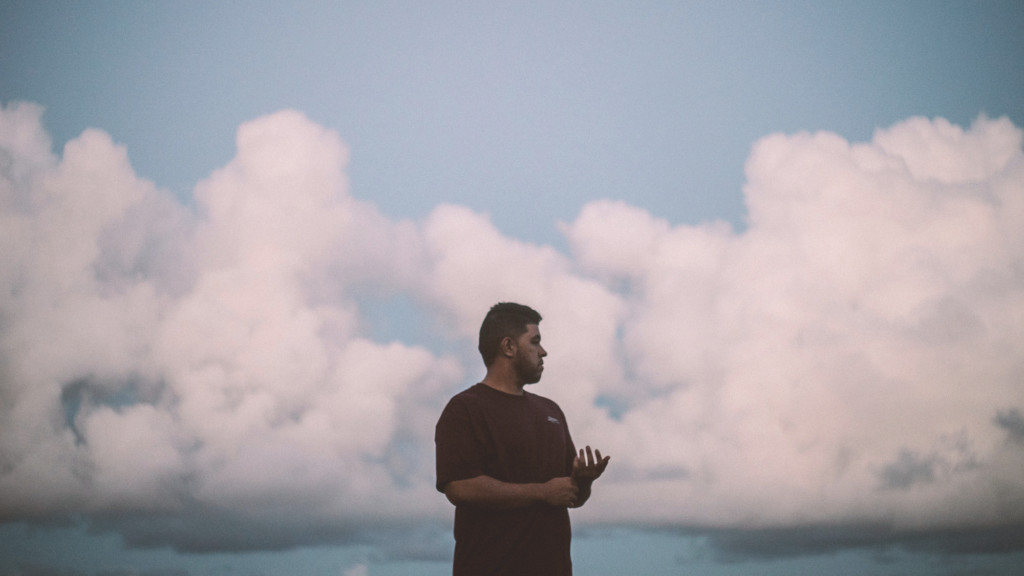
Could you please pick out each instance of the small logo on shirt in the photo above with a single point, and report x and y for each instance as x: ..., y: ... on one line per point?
x: 553, y: 420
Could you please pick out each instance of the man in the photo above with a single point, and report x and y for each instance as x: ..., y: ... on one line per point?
x: 506, y: 461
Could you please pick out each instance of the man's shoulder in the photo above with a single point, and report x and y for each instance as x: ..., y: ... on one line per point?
x: 471, y: 393
x: 471, y: 396
x: 482, y: 395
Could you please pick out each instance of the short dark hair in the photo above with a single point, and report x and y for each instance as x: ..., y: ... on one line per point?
x: 503, y: 319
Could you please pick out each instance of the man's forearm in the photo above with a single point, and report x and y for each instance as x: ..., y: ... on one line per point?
x: 489, y: 492
x: 584, y: 492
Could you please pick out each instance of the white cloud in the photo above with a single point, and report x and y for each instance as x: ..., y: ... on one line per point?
x: 853, y: 356
x: 870, y: 309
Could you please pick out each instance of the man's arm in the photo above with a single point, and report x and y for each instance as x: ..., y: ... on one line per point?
x: 489, y: 492
x: 585, y: 469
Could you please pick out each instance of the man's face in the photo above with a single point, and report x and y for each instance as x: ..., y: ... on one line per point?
x: 529, y: 355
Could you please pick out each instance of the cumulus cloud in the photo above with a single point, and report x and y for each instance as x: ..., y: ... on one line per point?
x: 160, y: 359
x: 848, y: 352
x: 204, y: 375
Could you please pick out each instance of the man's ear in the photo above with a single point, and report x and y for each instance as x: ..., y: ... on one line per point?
x: 508, y: 346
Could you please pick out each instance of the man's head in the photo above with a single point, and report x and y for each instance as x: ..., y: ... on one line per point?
x: 504, y: 320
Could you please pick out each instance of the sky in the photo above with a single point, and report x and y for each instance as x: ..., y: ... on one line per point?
x: 245, y: 248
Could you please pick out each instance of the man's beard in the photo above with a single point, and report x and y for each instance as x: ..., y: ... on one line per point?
x: 528, y: 373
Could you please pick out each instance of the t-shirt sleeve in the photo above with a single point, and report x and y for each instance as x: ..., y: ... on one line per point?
x: 458, y: 452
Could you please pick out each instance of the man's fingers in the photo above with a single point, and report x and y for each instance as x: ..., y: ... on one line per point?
x: 587, y: 458
x: 590, y: 462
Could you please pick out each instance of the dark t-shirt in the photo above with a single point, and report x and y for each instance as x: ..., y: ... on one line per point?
x: 517, y: 439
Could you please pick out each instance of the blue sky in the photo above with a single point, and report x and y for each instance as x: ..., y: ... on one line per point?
x: 483, y: 105
x: 775, y: 243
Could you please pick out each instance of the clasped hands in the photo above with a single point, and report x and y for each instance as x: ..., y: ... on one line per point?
x: 566, y: 490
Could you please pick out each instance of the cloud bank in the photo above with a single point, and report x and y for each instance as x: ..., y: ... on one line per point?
x: 205, y: 375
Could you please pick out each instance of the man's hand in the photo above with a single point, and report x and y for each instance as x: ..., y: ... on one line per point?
x: 586, y: 468
x: 561, y: 491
